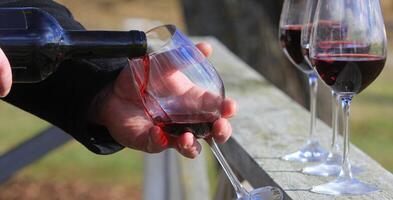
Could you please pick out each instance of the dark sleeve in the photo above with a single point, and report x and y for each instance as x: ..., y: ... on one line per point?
x: 64, y: 98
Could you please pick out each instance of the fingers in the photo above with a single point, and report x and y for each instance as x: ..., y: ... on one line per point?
x: 228, y: 108
x: 210, y: 102
x: 5, y: 75
x: 188, y: 145
x: 222, y: 130
x: 205, y: 48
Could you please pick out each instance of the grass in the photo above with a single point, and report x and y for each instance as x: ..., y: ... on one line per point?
x: 16, y: 125
x: 70, y: 162
x: 371, y: 119
x: 73, y: 162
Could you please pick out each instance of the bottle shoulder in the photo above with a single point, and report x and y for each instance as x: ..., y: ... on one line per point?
x: 29, y: 24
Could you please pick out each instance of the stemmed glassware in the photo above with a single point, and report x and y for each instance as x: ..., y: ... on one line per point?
x: 291, y: 25
x: 332, y: 165
x: 182, y: 92
x: 348, y: 55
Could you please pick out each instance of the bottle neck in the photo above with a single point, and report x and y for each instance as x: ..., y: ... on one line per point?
x: 104, y: 44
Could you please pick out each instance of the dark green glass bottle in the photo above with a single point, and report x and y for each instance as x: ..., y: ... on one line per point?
x: 35, y: 43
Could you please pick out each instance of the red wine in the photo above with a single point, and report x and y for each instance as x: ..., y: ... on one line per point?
x: 174, y: 126
x: 348, y: 73
x: 146, y: 70
x: 151, y: 106
x: 199, y: 130
x: 290, y: 37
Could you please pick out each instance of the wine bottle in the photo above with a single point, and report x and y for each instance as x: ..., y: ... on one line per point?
x: 35, y: 43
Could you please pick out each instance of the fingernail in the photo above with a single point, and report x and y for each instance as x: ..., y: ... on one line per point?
x: 219, y: 134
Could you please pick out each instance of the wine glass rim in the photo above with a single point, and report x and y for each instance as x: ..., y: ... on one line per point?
x: 172, y: 29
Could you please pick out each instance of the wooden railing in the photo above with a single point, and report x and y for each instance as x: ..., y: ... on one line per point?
x: 268, y: 125
x: 30, y: 151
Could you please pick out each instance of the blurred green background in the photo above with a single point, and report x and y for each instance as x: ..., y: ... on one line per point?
x: 72, y: 172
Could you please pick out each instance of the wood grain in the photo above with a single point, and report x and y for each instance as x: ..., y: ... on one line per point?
x: 268, y: 125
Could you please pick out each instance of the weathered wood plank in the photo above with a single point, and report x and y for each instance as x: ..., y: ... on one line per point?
x: 194, y: 177
x: 268, y: 125
x: 162, y: 177
x: 169, y: 176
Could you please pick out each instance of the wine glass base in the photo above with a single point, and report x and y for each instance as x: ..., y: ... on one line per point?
x: 323, y: 169
x: 331, y: 167
x: 311, y: 152
x: 342, y: 186
x: 264, y: 193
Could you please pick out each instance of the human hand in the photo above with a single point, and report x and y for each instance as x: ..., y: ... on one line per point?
x: 124, y: 116
x: 5, y: 75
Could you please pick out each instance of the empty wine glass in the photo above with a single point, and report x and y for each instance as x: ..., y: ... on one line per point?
x: 182, y: 92
x: 348, y: 56
x: 291, y: 25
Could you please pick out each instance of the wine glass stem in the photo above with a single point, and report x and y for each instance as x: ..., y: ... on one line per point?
x: 346, y: 171
x: 239, y: 189
x: 336, y: 108
x: 313, y: 83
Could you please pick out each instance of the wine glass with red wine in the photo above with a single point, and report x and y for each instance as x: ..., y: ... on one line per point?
x: 291, y: 25
x: 348, y: 57
x: 332, y: 165
x: 182, y: 92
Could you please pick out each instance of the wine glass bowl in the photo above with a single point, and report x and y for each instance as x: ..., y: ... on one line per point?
x: 181, y: 90
x: 349, y: 72
x: 350, y: 53
x: 290, y: 30
x: 290, y: 36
